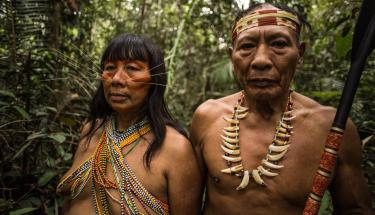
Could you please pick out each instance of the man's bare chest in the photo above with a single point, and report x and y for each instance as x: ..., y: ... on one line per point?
x: 292, y: 181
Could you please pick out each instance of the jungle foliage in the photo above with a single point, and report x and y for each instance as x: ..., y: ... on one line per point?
x: 49, y: 56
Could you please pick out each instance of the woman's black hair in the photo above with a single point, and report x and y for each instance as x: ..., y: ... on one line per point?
x: 137, y: 47
x: 284, y: 7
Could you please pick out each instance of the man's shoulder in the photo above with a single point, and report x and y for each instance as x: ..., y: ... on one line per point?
x: 312, y: 109
x: 213, y: 107
x: 208, y: 113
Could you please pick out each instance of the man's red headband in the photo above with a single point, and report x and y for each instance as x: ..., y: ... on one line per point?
x: 266, y: 17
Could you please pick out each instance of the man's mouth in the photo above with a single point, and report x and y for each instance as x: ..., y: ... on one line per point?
x: 261, y: 82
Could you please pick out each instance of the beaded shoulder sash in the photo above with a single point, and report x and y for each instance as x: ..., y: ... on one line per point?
x: 108, y: 152
x: 276, y: 150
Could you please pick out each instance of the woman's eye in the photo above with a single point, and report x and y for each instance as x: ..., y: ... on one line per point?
x: 109, y: 68
x: 131, y: 68
x: 279, y: 44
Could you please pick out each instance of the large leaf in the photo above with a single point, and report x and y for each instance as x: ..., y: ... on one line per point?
x: 46, y: 177
x: 59, y: 137
x: 343, y: 45
x: 36, y: 135
x: 22, y: 211
x: 7, y: 93
x: 23, y: 113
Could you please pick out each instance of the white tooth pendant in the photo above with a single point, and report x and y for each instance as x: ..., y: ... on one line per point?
x: 229, y: 145
x: 266, y: 172
x: 245, y: 180
x: 231, y: 159
x: 241, y: 109
x: 232, y: 128
x: 282, y: 135
x: 275, y: 148
x: 257, y: 178
x: 230, y: 134
x: 280, y: 142
x: 230, y: 151
x: 288, y: 113
x: 271, y: 165
x: 229, y: 140
x: 287, y: 126
x: 276, y: 157
x: 289, y: 118
x: 233, y: 169
x: 232, y: 121
x: 241, y: 116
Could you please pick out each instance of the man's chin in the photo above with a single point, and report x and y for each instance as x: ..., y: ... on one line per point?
x: 263, y: 93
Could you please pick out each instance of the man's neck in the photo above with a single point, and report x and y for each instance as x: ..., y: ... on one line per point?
x: 267, y: 108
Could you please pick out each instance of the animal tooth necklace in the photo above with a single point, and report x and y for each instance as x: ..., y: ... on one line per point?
x: 276, y: 150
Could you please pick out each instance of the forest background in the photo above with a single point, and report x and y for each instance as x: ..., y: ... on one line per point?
x: 49, y: 57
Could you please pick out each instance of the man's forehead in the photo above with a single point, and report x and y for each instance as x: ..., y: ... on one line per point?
x: 268, y: 31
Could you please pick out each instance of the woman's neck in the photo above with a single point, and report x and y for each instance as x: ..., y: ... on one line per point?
x: 124, y: 121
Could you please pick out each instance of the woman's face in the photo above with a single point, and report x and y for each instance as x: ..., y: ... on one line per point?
x: 126, y: 84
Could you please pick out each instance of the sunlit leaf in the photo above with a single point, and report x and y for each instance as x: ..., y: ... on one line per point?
x: 343, y: 45
x: 22, y: 211
x: 67, y: 156
x: 23, y: 113
x: 46, y: 177
x: 36, y: 135
x: 7, y: 93
x: 19, y: 152
x: 59, y: 137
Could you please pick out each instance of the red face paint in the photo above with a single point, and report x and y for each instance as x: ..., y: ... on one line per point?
x: 107, y: 75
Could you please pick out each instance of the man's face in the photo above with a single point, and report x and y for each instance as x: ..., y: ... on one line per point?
x: 264, y: 59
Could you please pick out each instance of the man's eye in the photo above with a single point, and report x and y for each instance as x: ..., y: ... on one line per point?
x: 247, y: 46
x: 279, y: 44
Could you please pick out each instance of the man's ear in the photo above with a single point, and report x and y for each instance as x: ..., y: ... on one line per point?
x: 301, y: 52
x: 230, y: 51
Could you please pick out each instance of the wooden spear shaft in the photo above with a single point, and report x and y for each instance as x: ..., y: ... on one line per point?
x: 363, y: 44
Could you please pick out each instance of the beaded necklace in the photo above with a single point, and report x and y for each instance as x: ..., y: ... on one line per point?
x: 276, y: 150
x: 130, y: 188
x: 107, y: 152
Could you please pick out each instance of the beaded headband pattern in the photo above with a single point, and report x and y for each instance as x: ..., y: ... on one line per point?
x: 266, y: 17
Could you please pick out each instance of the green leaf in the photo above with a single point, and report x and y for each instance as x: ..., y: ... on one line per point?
x: 343, y: 45
x: 7, y: 93
x: 67, y: 156
x: 60, y: 150
x: 326, y: 204
x: 59, y: 137
x: 28, y: 143
x: 22, y: 211
x: 23, y: 113
x: 67, y: 121
x: 36, y: 135
x: 46, y: 177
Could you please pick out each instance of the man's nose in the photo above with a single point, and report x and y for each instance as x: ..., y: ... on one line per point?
x: 261, y: 61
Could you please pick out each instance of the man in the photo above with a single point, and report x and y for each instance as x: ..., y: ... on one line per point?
x: 260, y: 148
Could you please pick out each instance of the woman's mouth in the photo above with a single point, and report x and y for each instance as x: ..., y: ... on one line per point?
x: 118, y: 97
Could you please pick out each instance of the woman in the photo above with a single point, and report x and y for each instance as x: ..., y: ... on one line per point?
x: 132, y: 157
